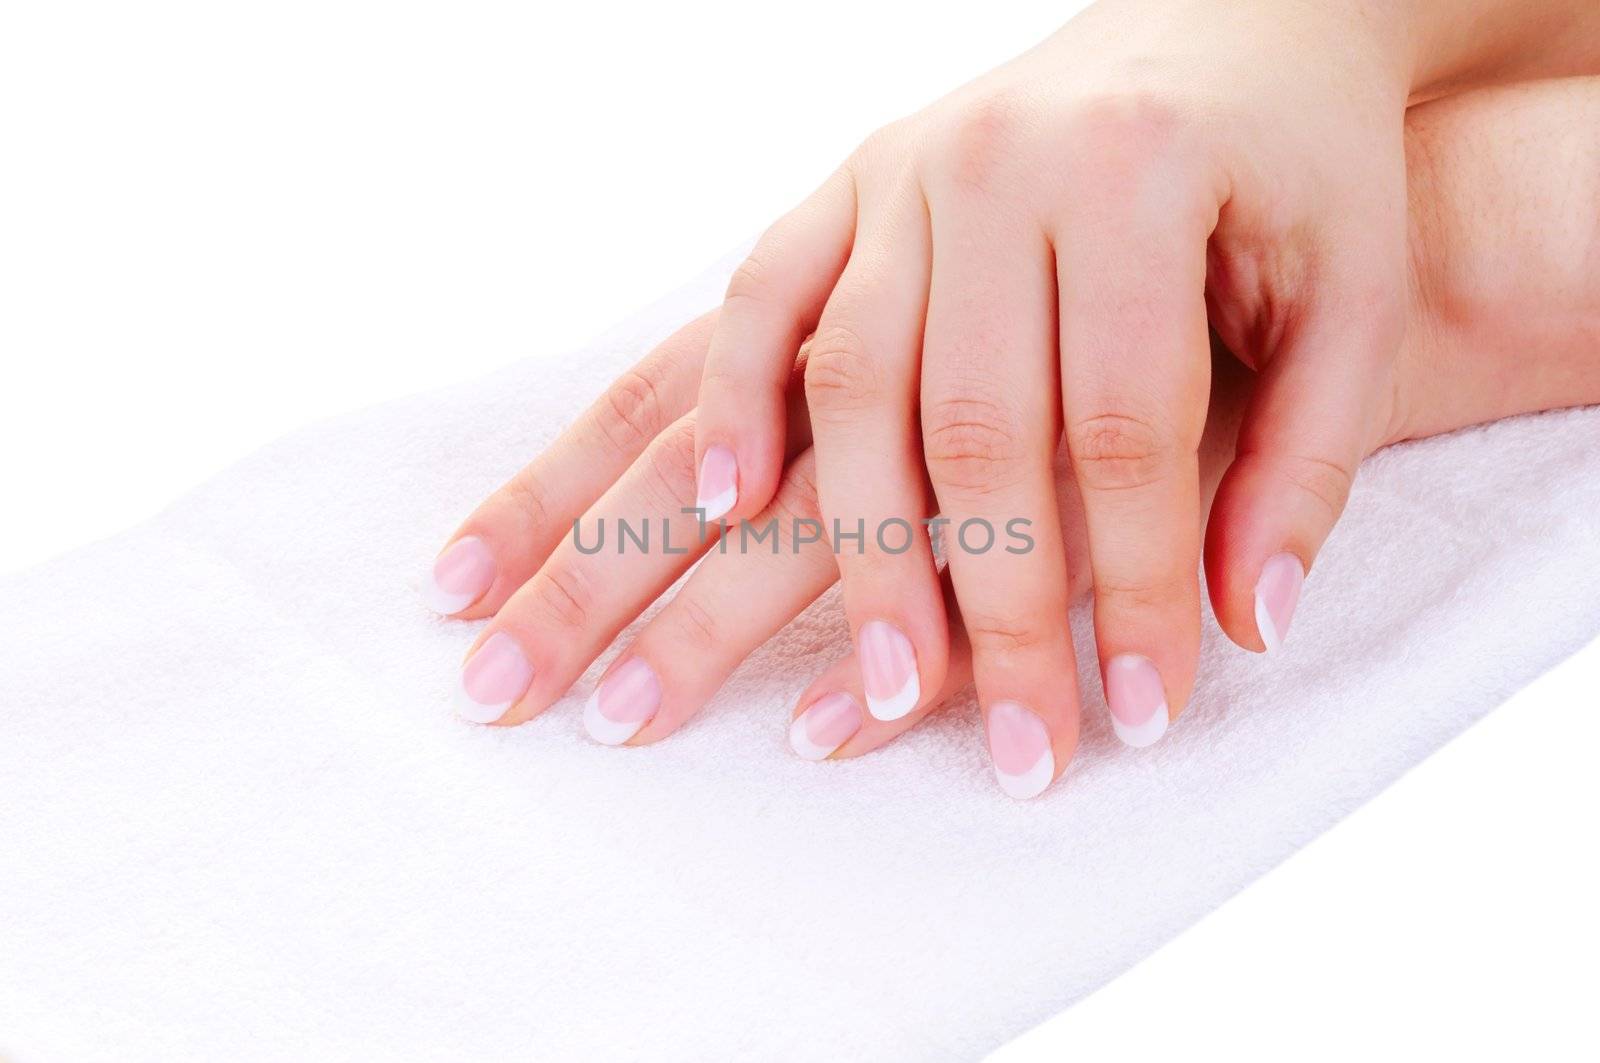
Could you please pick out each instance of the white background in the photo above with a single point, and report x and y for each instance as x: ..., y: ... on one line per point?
x: 220, y: 220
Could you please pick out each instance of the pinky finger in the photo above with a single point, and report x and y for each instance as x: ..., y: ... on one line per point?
x: 829, y: 721
x: 1027, y: 752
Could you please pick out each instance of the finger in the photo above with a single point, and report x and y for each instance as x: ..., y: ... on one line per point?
x: 1131, y: 260
x: 505, y: 540
x: 626, y: 550
x: 762, y: 574
x: 772, y: 303
x: 861, y: 386
x: 829, y: 722
x: 1320, y: 406
x: 990, y: 427
x: 834, y: 726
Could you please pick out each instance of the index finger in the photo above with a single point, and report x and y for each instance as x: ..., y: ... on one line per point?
x: 502, y: 544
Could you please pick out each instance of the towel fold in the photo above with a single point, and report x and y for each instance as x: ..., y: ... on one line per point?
x: 239, y: 820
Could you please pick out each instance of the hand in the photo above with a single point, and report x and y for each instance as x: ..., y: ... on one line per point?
x: 1474, y: 352
x: 1038, y: 252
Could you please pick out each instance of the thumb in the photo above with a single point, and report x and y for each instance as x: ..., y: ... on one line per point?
x: 1320, y: 407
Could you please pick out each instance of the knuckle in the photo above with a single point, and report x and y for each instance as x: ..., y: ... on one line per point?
x: 526, y: 494
x: 752, y: 279
x: 669, y: 472
x: 1327, y: 483
x: 882, y: 145
x: 696, y: 625
x: 840, y: 373
x: 564, y: 595
x: 1122, y: 144
x: 680, y: 356
x: 720, y: 387
x: 630, y: 416
x: 987, y: 137
x: 996, y: 633
x: 971, y: 444
x: 1119, y: 452
x: 1127, y: 124
x: 1141, y: 594
x: 797, y: 499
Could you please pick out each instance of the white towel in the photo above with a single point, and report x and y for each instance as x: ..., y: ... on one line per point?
x: 239, y: 820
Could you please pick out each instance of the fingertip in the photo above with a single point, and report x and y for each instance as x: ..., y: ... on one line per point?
x: 1137, y: 700
x: 493, y: 680
x: 824, y: 725
x: 460, y: 575
x: 717, y: 485
x: 623, y: 704
x: 1020, y: 749
x: 838, y: 692
x: 740, y: 466
x: 1257, y: 554
x: 1277, y: 593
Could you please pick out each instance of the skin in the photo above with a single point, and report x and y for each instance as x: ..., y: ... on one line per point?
x: 1038, y: 255
x: 1501, y: 300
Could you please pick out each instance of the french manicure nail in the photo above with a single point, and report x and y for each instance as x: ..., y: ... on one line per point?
x: 1019, y: 744
x: 1277, y: 593
x: 1137, y: 700
x: 494, y: 679
x: 460, y: 576
x: 825, y: 726
x: 719, y: 483
x: 888, y: 670
x: 624, y: 702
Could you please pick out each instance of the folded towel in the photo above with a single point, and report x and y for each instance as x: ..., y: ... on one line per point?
x: 240, y: 820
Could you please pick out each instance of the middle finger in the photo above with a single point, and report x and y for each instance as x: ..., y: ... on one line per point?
x: 990, y: 426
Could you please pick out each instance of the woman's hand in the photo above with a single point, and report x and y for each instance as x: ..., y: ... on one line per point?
x: 1031, y: 255
x: 1474, y: 351
x: 1035, y: 255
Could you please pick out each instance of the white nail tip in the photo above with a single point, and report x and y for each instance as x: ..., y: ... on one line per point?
x: 477, y: 711
x: 888, y: 709
x: 1031, y: 783
x: 1265, y: 627
x: 1144, y: 734
x: 800, y: 741
x: 718, y: 506
x: 441, y: 601
x: 604, y: 729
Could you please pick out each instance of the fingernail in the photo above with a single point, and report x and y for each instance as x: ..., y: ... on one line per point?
x: 825, y: 726
x: 622, y: 703
x: 460, y: 576
x: 1019, y: 744
x: 1277, y: 593
x: 494, y: 679
x: 719, y: 482
x: 888, y: 670
x: 1137, y: 699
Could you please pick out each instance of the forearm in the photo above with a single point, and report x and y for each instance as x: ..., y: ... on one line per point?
x: 1463, y: 44
x: 1505, y: 222
x: 1419, y: 49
